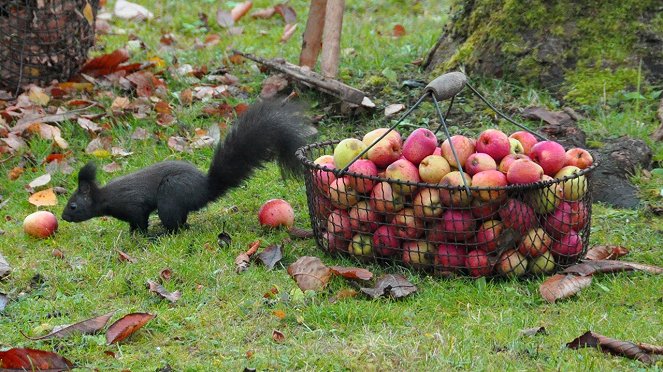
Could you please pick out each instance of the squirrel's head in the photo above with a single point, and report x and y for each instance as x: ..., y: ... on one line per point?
x: 83, y: 204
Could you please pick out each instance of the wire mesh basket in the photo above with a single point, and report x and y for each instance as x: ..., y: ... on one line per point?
x: 43, y: 40
x: 447, y: 228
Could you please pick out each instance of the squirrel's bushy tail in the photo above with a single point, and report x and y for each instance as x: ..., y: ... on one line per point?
x: 266, y: 130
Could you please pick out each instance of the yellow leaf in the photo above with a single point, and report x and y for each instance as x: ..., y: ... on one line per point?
x: 279, y: 314
x: 101, y: 153
x: 87, y: 13
x: 158, y: 62
x: 38, y: 96
x: 45, y: 197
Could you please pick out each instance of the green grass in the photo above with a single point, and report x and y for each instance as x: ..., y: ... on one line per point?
x: 223, y: 322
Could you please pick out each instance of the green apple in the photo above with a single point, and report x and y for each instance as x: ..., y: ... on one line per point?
x: 361, y: 245
x: 512, y: 263
x: 572, y: 189
x: 543, y: 264
x: 346, y: 150
x: 545, y: 200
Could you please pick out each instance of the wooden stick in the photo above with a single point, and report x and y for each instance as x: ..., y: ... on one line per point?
x: 331, y: 37
x: 314, y: 80
x: 312, y: 39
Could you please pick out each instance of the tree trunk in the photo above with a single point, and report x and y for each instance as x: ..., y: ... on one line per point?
x: 583, y: 50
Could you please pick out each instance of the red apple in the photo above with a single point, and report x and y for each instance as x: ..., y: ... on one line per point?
x: 463, y: 146
x: 550, y: 155
x: 322, y: 206
x: 323, y: 178
x: 438, y: 151
x: 524, y: 171
x: 418, y: 253
x: 450, y: 257
x: 479, y: 162
x: 484, y: 210
x: 419, y: 144
x: 477, y: 263
x: 518, y: 216
x: 454, y: 197
x: 494, y: 143
x: 573, y: 188
x: 527, y: 139
x: 373, y: 135
x: 385, y: 241
x: 363, y: 217
x: 427, y: 203
x: 578, y: 157
x: 325, y: 160
x: 408, y: 225
x: 346, y: 150
x: 403, y: 170
x: 508, y: 160
x: 433, y: 168
x: 535, y: 243
x: 487, y: 235
x: 567, y: 248
x: 384, y: 199
x: 512, y: 263
x: 493, y: 179
x: 341, y: 194
x: 275, y: 213
x: 42, y: 224
x: 457, y: 225
x: 335, y: 243
x: 338, y: 223
x: 363, y: 167
x: 387, y: 150
x: 566, y: 217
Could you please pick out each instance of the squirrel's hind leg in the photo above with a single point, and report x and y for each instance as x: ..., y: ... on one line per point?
x: 172, y: 216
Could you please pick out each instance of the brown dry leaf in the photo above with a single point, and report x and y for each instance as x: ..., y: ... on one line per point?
x: 49, y: 132
x: 271, y: 256
x: 126, y: 326
x: 146, y: 83
x: 394, y: 285
x: 178, y: 144
x: 651, y: 349
x: 611, y: 346
x: 300, y: 233
x: 224, y: 18
x: 352, y: 272
x: 309, y: 273
x: 343, y: 294
x: 88, y: 326
x: 15, y: 173
x: 186, y: 97
x: 393, y: 109
x: 120, y: 104
x: 591, y: 267
x: 161, y: 291
x: 606, y: 252
x: 57, y: 253
x: 561, y: 286
x: 99, y: 147
x: 44, y: 198
x: 19, y: 359
x: 399, y: 31
x: 88, y: 125
x: 42, y: 180
x: 240, y: 10
x: 279, y: 314
x: 124, y: 257
x: 272, y: 85
x: 162, y: 107
x: 111, y: 167
x: 166, y: 274
x: 533, y: 331
x: 288, y: 31
x: 278, y: 336
x: 37, y: 96
x: 264, y: 13
x: 140, y: 134
x: 106, y: 64
x: 243, y: 259
x: 88, y: 14
x: 287, y: 12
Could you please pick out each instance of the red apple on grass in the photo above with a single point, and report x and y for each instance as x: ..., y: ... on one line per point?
x: 578, y: 157
x: 524, y: 171
x: 384, y: 199
x: 364, y: 167
x: 464, y: 148
x: 433, y: 168
x: 418, y: 253
x: 535, y: 243
x: 408, y: 226
x: 494, y: 143
x: 41, y: 224
x: 490, y: 179
x: 518, y: 216
x: 508, y: 160
x: 550, y: 155
x: 406, y: 171
x: 479, y: 162
x: 543, y: 264
x: 512, y: 263
x: 419, y: 144
x: 427, y: 203
x: 450, y: 257
x: 477, y: 263
x: 387, y: 150
x: 275, y: 213
x: 385, y: 241
x: 346, y: 150
x: 454, y: 197
x: 487, y: 235
x: 526, y: 139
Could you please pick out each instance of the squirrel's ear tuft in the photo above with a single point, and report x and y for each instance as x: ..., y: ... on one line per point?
x: 88, y: 173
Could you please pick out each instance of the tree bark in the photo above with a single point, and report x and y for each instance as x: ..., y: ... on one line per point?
x: 331, y: 37
x: 312, y: 39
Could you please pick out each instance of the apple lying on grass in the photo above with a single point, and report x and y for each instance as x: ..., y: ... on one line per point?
x: 275, y: 213
x: 41, y: 224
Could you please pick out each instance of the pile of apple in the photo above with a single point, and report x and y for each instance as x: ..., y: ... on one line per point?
x: 422, y: 214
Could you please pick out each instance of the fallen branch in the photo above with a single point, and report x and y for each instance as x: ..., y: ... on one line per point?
x: 314, y: 80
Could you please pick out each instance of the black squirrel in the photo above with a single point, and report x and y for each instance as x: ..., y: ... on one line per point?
x: 266, y: 130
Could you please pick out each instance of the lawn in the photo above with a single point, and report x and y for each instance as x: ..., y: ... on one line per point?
x: 223, y: 320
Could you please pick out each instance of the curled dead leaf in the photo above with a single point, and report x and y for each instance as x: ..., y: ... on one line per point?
x: 352, y: 272
x: 591, y: 267
x: 161, y: 291
x: 122, y: 256
x: 300, y: 233
x: 612, y: 346
x: 271, y: 256
x: 309, y: 273
x: 88, y: 326
x: 561, y: 286
x: 19, y: 359
x: 126, y: 326
x: 393, y: 285
x: 606, y: 252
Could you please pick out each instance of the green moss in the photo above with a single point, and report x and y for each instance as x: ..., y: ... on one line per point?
x: 591, y: 85
x: 375, y: 81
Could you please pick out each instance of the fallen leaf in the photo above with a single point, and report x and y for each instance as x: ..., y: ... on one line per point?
x: 88, y: 326
x: 186, y: 97
x: 278, y: 336
x: 88, y: 13
x: 111, y: 167
x: 591, y: 267
x: 162, y: 107
x: 124, y: 257
x: 37, y: 96
x: 161, y: 291
x: 15, y: 173
x: 533, y: 331
x: 105, y: 64
x: 240, y: 10
x: 50, y: 132
x: 57, y: 253
x: 611, y: 346
x: 287, y: 12
x: 271, y: 256
x: 288, y: 31
x: 40, y: 181
x: 88, y: 125
x: 352, y: 272
x: 178, y: 144
x: 398, y: 31
x: 243, y: 259
x: 394, y: 285
x: 264, y: 13
x: 279, y: 314
x: 126, y: 326
x: 606, y: 252
x: 140, y: 134
x: 545, y: 115
x: 165, y: 274
x: 309, y: 273
x: 4, y: 300
x: 561, y: 286
x: 120, y: 152
x: 130, y: 11
x: 224, y: 18
x: 99, y: 147
x: 5, y: 269
x: 300, y: 233
x: 343, y: 294
x: 272, y: 85
x: 43, y: 198
x: 120, y: 104
x: 393, y: 109
x: 32, y: 359
x: 651, y: 349
x: 146, y: 83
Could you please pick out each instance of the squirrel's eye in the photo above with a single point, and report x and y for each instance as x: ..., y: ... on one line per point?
x: 72, y: 206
